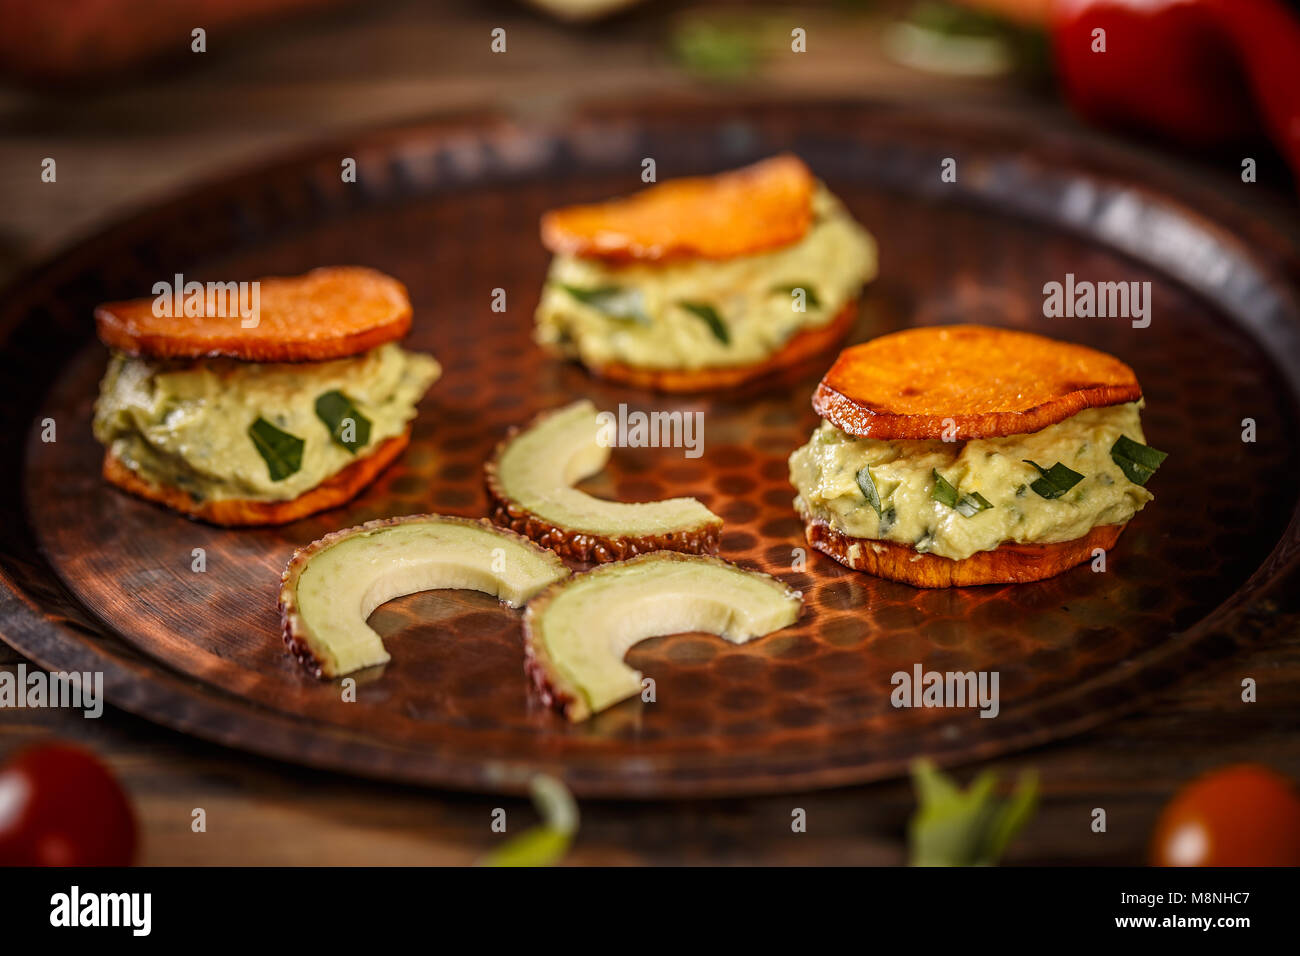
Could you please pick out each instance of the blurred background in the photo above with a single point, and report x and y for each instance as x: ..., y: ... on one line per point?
x: 121, y: 95
x: 115, y: 91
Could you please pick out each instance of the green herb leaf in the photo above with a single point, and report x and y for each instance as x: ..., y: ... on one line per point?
x: 973, y: 503
x: 868, y: 486
x: 555, y: 803
x: 281, y: 451
x: 1011, y: 816
x: 809, y: 296
x: 716, y: 48
x: 711, y: 318
x: 946, y: 494
x: 943, y: 492
x: 888, y: 520
x: 614, y: 301
x: 1056, y: 480
x: 337, y: 411
x: 546, y: 844
x: 1138, y: 462
x: 973, y: 827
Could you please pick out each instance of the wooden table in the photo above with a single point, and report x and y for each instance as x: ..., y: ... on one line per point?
x: 125, y: 144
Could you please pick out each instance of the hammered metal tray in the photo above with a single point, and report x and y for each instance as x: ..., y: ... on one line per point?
x: 95, y: 580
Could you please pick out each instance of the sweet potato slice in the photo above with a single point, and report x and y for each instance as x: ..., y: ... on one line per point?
x: 989, y: 382
x: 1009, y: 564
x: 738, y: 213
x: 327, y: 313
x: 802, y: 346
x: 339, y: 488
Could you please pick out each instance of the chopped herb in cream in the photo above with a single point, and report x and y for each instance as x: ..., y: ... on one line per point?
x: 218, y: 428
x: 958, y: 498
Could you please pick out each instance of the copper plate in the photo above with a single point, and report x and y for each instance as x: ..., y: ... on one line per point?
x: 96, y: 580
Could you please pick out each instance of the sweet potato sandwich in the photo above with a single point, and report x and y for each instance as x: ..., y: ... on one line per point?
x: 965, y: 455
x: 706, y: 282
x: 245, y: 419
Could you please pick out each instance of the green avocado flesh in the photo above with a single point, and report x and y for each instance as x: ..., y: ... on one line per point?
x: 343, y: 584
x: 186, y: 423
x: 825, y: 473
x: 590, y: 624
x: 541, y: 464
x: 660, y: 305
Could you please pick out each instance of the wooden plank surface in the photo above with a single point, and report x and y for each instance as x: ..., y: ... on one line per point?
x: 125, y: 144
x: 259, y: 812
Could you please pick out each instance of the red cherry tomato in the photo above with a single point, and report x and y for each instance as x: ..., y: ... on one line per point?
x: 1244, y: 815
x: 60, y: 806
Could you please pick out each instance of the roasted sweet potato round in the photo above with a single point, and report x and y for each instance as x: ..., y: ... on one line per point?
x: 986, y: 382
x: 739, y: 213
x: 1009, y: 564
x: 240, y: 512
x: 328, y: 313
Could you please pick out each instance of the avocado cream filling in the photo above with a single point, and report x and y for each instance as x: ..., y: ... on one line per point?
x: 704, y: 313
x: 992, y: 480
x: 186, y: 423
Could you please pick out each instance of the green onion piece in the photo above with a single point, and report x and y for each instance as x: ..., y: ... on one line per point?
x: 613, y: 301
x: 337, y: 411
x: 281, y: 451
x: 946, y: 494
x: 1056, y: 480
x: 546, y: 844
x: 869, y: 492
x: 536, y: 846
x: 711, y: 318
x: 555, y: 803
x: 809, y: 296
x: 972, y: 827
x: 1138, y: 462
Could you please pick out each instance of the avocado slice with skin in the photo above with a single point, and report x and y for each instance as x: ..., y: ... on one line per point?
x: 578, y: 630
x: 530, y: 483
x: 332, y: 586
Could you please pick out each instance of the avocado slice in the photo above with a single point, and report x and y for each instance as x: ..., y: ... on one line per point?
x: 578, y: 630
x: 333, y: 585
x: 530, y: 482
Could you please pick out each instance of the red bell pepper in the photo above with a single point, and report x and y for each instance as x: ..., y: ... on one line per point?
x: 1201, y: 72
x: 1266, y: 36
